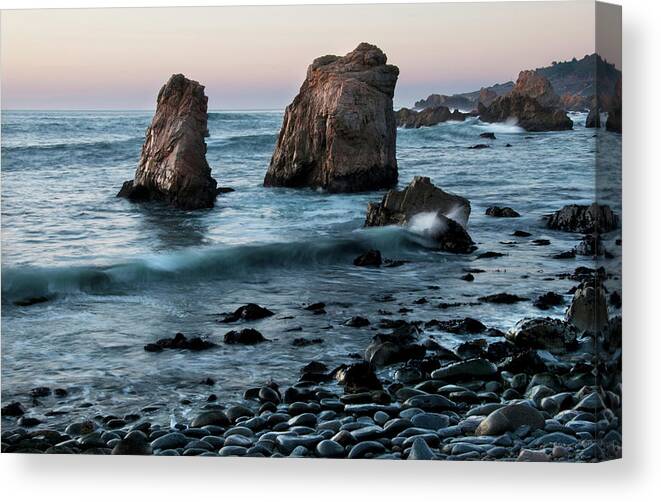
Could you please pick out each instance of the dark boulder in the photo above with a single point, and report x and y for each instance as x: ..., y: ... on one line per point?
x: 428, y: 210
x: 502, y: 212
x: 371, y: 258
x: 544, y: 333
x: 249, y: 312
x: 584, y: 219
x: 181, y: 342
x: 358, y: 377
x: 505, y: 298
x: 588, y: 310
x: 548, y: 300
x: 246, y: 336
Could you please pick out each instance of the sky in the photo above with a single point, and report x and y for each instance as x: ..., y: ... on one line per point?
x: 256, y: 57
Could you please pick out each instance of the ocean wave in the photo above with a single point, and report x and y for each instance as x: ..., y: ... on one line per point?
x: 73, y: 145
x: 508, y: 127
x: 210, y: 263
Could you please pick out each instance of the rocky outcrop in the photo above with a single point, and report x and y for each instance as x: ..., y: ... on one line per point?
x: 614, y: 120
x: 532, y: 103
x: 590, y: 219
x: 588, y: 310
x: 454, y: 101
x: 339, y: 132
x: 544, y: 333
x: 431, y: 116
x: 486, y: 97
x: 173, y: 166
x: 594, y: 120
x: 447, y: 214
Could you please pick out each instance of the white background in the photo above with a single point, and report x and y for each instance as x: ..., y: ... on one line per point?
x: 636, y: 477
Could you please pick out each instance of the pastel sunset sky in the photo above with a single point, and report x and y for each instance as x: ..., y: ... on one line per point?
x: 256, y: 57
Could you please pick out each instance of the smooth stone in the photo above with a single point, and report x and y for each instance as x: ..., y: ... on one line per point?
x: 304, y: 419
x: 367, y: 433
x: 287, y: 443
x: 360, y: 450
x: 420, y: 451
x: 430, y: 402
x: 232, y: 451
x: 554, y: 438
x: 170, y: 441
x: 430, y: 421
x: 533, y: 456
x: 330, y: 449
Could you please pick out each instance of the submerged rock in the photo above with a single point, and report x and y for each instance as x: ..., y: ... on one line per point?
x: 173, y: 166
x: 371, y: 258
x: 399, y: 346
x: 532, y: 102
x: 428, y: 210
x: 339, y: 132
x: 180, y: 341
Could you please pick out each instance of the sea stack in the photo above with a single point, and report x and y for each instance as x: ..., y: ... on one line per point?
x: 339, y: 132
x: 532, y: 102
x: 614, y: 119
x: 173, y: 166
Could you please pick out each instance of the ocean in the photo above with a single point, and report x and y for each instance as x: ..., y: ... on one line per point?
x: 120, y: 275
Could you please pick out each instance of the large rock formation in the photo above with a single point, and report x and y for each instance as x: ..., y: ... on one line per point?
x: 427, y: 210
x: 588, y: 310
x: 173, y: 166
x: 428, y: 117
x: 339, y: 132
x: 614, y: 119
x: 532, y: 102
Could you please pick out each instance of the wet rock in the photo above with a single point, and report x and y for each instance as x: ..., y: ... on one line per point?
x: 584, y: 219
x: 527, y: 361
x: 249, y: 312
x: 533, y: 456
x: 521, y: 233
x: 467, y: 277
x: 480, y: 146
x: 306, y: 342
x: 590, y: 245
x: 505, y: 298
x: 134, y: 443
x: 33, y: 300
x: 502, y: 212
x: 488, y: 135
x: 366, y: 448
x: 173, y: 166
x: 357, y: 377
x: 510, y: 418
x: 357, y: 322
x: 247, y: 336
x: 489, y: 254
x: 593, y: 120
x: 371, y: 258
x: 14, y: 409
x: 588, y: 310
x: 431, y: 402
x: 330, y: 449
x: 420, y: 451
x: 466, y: 325
x: 339, y: 132
x: 614, y: 119
x: 172, y: 440
x: 180, y: 342
x: 470, y: 369
x: 399, y: 346
x: 541, y: 242
x: 447, y: 213
x: 545, y: 333
x: 211, y: 417
x: 548, y: 300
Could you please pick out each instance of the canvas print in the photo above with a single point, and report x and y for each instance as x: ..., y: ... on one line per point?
x: 329, y: 231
